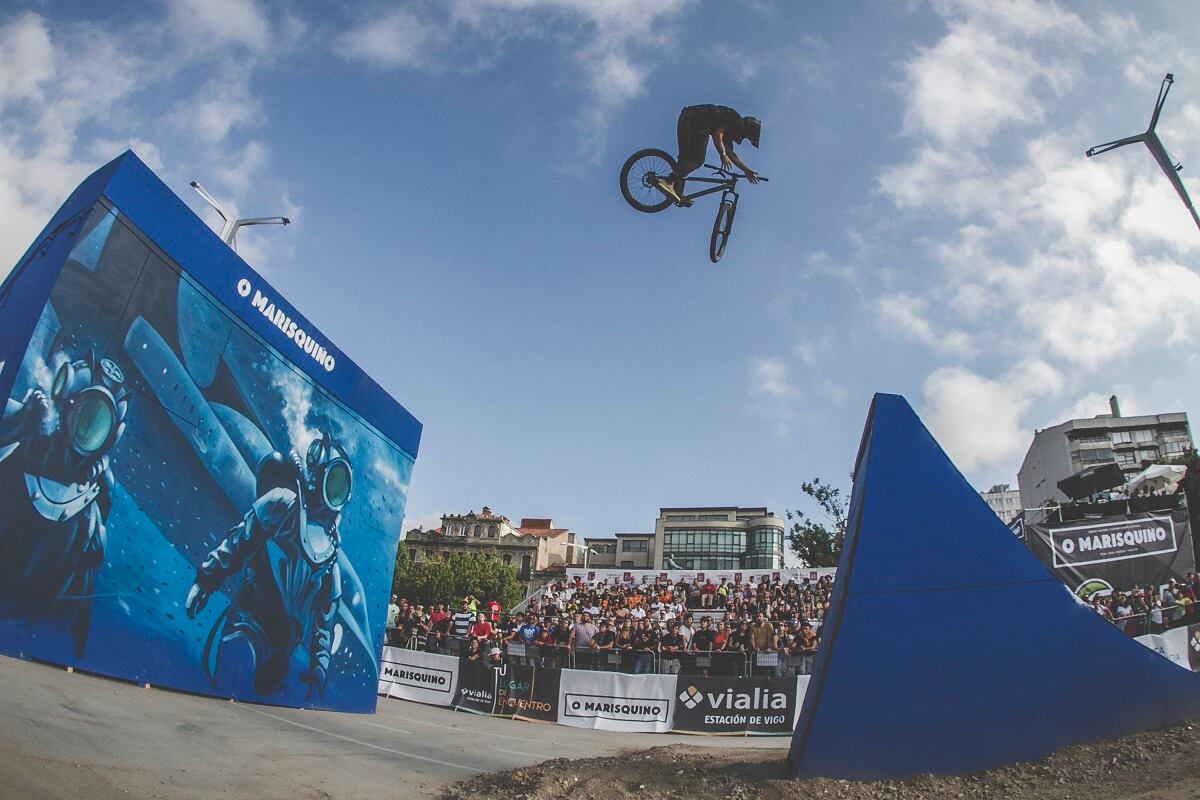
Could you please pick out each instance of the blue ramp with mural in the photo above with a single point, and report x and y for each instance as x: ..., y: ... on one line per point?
x: 949, y: 648
x: 197, y: 488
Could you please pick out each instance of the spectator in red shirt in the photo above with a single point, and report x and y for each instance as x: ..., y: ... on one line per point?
x: 493, y: 610
x: 482, y: 629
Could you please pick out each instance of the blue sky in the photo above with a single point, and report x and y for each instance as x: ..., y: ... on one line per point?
x: 931, y: 227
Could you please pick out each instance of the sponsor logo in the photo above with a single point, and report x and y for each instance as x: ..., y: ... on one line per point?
x: 758, y: 699
x: 1114, y: 541
x: 476, y: 695
x: 278, y: 317
x: 1093, y: 586
x: 618, y: 709
x: 418, y: 677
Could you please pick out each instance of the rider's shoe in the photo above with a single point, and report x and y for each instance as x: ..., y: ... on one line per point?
x: 668, y: 188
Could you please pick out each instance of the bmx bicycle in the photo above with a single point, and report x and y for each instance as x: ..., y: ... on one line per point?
x: 639, y: 186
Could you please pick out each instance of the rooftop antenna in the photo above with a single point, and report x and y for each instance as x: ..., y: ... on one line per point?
x: 229, y: 232
x: 1151, y: 140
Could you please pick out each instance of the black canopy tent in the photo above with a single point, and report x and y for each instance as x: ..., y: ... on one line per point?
x: 1091, y: 480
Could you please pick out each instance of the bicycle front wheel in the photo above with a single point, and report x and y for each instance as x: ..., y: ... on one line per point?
x: 722, y: 225
x: 638, y: 179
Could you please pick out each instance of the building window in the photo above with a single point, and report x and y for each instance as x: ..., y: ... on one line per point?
x: 429, y: 554
x: 1147, y: 454
x: 508, y: 558
x: 1143, y: 436
x: 631, y: 546
x: 492, y: 531
x: 412, y: 554
x: 626, y: 563
x: 478, y: 530
x: 1121, y: 437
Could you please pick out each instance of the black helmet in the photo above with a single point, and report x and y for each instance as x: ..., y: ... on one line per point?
x: 752, y: 129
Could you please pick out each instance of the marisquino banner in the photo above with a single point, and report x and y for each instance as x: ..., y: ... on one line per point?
x: 1116, y: 552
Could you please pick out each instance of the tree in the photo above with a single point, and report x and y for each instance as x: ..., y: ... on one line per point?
x: 448, y: 580
x: 818, y: 543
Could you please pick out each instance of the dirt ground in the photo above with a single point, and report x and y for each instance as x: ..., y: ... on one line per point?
x: 1154, y: 765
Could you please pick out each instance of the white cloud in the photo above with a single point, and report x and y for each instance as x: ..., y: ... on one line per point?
x: 1076, y: 269
x: 979, y: 421
x: 397, y: 38
x: 213, y: 23
x: 771, y: 386
x: 612, y: 43
x: 769, y: 376
x: 221, y: 105
x: 74, y: 95
x: 907, y: 314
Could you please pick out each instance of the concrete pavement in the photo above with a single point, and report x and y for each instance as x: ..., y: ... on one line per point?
x: 67, y: 736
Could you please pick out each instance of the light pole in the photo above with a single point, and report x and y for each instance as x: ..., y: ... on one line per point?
x: 586, y: 552
x: 229, y: 231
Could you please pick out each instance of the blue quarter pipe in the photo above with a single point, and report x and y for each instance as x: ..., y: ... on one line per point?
x: 949, y: 647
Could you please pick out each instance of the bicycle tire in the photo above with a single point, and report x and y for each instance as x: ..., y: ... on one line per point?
x: 635, y: 180
x: 722, y: 226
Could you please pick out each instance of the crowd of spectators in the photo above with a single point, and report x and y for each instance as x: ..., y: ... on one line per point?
x: 1151, y: 609
x: 652, y: 626
x: 665, y: 625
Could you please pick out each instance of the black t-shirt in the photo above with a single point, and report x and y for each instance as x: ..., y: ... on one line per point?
x: 645, y: 640
x: 673, y: 640
x: 604, y: 638
x: 703, y: 639
x: 710, y: 117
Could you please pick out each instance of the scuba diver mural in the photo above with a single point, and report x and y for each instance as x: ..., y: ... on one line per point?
x: 188, y: 498
x: 287, y: 549
x: 55, y: 491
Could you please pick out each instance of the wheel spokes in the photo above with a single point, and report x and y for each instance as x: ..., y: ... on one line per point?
x: 641, y: 179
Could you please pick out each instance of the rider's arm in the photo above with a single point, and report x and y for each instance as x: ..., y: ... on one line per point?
x: 718, y: 137
x: 751, y: 175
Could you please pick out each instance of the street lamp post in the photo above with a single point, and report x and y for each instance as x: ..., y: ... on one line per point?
x: 587, y: 551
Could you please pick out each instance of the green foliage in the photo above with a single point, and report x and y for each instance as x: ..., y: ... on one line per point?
x: 439, y: 580
x: 818, y: 543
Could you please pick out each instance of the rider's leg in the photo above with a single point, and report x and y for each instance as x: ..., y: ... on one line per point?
x: 693, y: 141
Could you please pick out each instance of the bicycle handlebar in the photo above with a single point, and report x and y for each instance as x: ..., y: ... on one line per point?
x: 733, y: 174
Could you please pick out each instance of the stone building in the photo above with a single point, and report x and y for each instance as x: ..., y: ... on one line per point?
x: 535, y: 546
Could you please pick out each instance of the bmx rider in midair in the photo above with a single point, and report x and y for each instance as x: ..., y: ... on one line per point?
x: 697, y: 124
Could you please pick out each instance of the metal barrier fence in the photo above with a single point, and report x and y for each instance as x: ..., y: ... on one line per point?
x: 1158, y: 620
x: 734, y: 663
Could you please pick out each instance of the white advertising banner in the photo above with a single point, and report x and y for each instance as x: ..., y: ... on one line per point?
x: 614, y: 701
x: 1172, y: 644
x: 414, y: 675
x: 640, y: 577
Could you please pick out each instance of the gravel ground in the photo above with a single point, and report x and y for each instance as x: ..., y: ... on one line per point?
x: 1153, y: 765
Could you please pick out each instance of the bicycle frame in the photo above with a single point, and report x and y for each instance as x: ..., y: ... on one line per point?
x: 725, y: 184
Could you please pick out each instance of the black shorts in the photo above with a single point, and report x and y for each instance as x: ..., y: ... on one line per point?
x: 692, y: 131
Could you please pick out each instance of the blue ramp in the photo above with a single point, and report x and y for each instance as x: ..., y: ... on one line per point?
x: 949, y: 648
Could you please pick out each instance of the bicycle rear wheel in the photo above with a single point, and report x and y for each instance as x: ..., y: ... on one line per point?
x: 722, y: 225
x: 637, y: 179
